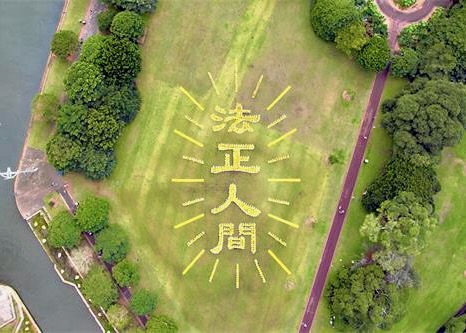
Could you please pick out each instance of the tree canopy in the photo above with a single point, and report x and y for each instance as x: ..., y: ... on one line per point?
x: 124, y: 102
x: 112, y: 242
x: 102, y: 130
x: 64, y: 43
x: 119, y: 317
x: 427, y: 117
x: 92, y: 214
x: 402, y: 174
x: 91, y: 48
x: 139, y: 6
x: 126, y: 273
x: 83, y: 82
x: 99, y: 288
x: 405, y: 64
x: 361, y: 299
x: 127, y: 24
x: 375, y: 55
x: 351, y: 39
x: 119, y: 60
x: 104, y: 20
x: 402, y: 224
x: 329, y: 16
x: 97, y: 164
x: 63, y: 153
x: 143, y: 302
x: 63, y: 231
x: 71, y: 121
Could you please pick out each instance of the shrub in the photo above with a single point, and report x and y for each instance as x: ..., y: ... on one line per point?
x: 63, y: 231
x: 112, y: 242
x: 126, y: 273
x: 99, y: 288
x: 105, y: 18
x: 337, y: 157
x: 139, y: 6
x: 405, y: 3
x: 118, y: 316
x: 375, y: 55
x: 64, y: 43
x: 329, y: 16
x: 92, y: 214
x: 83, y: 82
x: 63, y: 153
x: 161, y: 324
x: 127, y: 25
x: 143, y: 302
x: 46, y: 105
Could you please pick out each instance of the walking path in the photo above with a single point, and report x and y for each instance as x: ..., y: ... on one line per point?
x: 398, y: 19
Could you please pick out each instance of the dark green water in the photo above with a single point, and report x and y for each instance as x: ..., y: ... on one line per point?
x: 26, y: 27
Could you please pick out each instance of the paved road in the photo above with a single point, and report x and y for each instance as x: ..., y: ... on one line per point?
x: 343, y: 203
x: 387, y: 8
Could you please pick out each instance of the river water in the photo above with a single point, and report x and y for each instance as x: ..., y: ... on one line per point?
x: 26, y: 28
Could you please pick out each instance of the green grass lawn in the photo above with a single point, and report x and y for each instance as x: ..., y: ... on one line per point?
x: 272, y: 38
x: 40, y: 128
x: 441, y: 264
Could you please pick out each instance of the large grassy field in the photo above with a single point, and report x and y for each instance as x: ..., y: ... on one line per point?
x: 185, y: 41
x: 441, y: 265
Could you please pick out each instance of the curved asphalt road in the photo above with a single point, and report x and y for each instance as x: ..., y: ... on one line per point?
x: 398, y: 19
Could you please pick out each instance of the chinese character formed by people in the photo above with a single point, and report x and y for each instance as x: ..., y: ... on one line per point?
x: 241, y: 119
x: 233, y: 198
x: 235, y: 242
x: 235, y: 155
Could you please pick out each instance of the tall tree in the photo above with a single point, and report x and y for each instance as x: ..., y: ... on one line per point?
x: 128, y: 25
x: 351, y: 39
x: 375, y: 55
x: 83, y: 82
x: 99, y: 288
x: 402, y: 224
x: 112, y: 242
x: 329, y: 16
x: 63, y: 231
x: 63, y: 153
x: 64, y: 43
x: 92, y: 214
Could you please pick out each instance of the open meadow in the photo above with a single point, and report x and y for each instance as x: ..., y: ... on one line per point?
x: 237, y: 42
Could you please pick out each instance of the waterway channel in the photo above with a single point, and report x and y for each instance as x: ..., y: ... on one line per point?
x: 26, y: 28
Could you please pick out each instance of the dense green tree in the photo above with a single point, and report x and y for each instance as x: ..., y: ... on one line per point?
x: 329, y: 16
x: 127, y: 24
x: 103, y: 129
x: 124, y: 102
x: 438, y: 61
x: 83, y: 82
x: 91, y: 48
x: 119, y: 317
x: 113, y: 244
x: 375, y: 55
x: 63, y: 231
x: 427, y: 117
x: 362, y: 300
x: 402, y: 224
x: 402, y: 174
x: 64, y: 43
x: 351, y: 39
x: 105, y: 18
x: 126, y: 273
x: 161, y: 324
x: 143, y: 302
x: 456, y: 325
x: 405, y: 63
x: 92, y: 214
x: 119, y: 60
x: 97, y: 164
x: 139, y: 6
x: 71, y: 121
x: 46, y: 105
x: 99, y: 288
x: 63, y: 153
